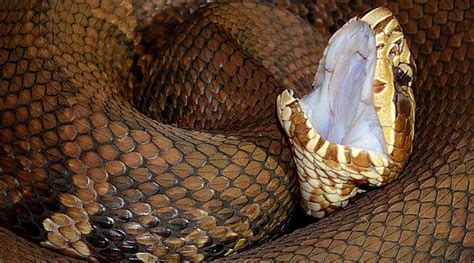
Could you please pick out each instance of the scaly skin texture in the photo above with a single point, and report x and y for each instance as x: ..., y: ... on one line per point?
x: 85, y: 173
x: 71, y: 120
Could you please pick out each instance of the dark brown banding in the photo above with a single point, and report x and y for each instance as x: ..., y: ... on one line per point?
x: 331, y: 152
x: 319, y: 143
x: 362, y: 159
x: 403, y: 105
x: 379, y: 27
x: 366, y: 12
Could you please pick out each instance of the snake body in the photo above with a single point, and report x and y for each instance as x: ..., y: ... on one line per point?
x: 85, y: 173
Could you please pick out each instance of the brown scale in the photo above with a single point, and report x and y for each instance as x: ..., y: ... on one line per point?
x: 44, y: 54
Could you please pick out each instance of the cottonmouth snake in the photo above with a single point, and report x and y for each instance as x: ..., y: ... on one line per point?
x: 64, y: 65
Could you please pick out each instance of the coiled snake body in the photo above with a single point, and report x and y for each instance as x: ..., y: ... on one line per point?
x: 83, y: 172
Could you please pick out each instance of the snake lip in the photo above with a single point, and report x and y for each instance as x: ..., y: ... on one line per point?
x: 345, y: 133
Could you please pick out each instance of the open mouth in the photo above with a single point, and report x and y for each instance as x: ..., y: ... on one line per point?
x: 355, y: 129
x: 341, y: 107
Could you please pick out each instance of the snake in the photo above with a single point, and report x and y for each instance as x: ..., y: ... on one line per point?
x: 118, y: 140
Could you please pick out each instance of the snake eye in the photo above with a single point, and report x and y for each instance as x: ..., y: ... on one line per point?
x: 402, y: 75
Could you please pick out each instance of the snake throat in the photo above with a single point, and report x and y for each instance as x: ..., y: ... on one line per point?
x: 356, y: 128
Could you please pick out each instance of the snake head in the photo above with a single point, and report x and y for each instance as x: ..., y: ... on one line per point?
x: 356, y: 127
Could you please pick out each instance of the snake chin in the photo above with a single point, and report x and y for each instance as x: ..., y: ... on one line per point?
x: 341, y: 107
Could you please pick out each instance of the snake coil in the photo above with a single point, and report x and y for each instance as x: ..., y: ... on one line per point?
x: 82, y: 171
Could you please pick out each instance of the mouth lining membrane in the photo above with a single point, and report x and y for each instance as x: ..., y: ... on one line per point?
x: 341, y: 107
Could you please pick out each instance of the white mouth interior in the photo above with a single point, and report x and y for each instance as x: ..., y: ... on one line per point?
x: 341, y: 107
